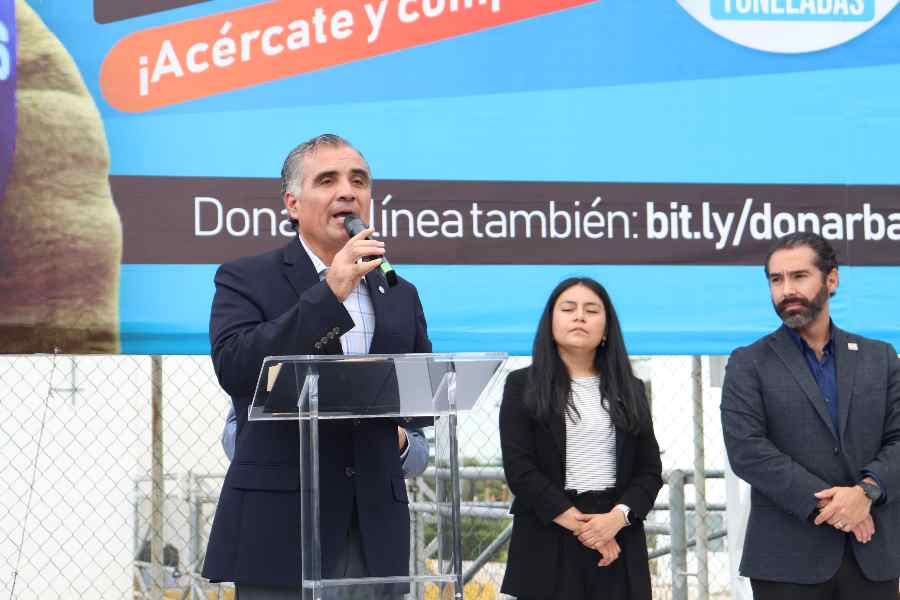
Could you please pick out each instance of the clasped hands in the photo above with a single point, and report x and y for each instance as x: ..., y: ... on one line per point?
x: 846, y: 509
x: 595, y: 531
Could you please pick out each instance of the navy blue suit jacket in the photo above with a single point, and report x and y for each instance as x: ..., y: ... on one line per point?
x: 781, y: 440
x: 274, y: 304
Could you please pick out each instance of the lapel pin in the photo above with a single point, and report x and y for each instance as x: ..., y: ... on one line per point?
x: 381, y: 290
x: 852, y: 346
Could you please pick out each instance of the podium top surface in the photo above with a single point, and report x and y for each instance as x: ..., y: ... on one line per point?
x: 439, y: 357
x: 415, y: 387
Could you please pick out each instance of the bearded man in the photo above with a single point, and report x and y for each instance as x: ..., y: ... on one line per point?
x: 811, y: 418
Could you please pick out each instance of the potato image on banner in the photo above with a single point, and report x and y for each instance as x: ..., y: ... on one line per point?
x: 60, y: 233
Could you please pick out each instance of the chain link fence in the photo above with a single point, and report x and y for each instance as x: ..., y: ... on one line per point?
x: 77, y: 450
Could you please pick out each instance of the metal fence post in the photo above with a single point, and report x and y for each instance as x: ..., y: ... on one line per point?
x: 157, y: 477
x: 701, y: 533
x: 413, y: 537
x: 679, y: 535
x: 196, y: 508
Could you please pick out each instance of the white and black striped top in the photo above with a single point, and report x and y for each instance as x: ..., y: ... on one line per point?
x: 590, y: 439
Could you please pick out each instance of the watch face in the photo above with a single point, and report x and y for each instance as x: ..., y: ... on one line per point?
x: 872, y: 491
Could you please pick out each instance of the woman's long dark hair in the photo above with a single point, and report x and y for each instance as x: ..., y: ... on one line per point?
x: 548, y: 392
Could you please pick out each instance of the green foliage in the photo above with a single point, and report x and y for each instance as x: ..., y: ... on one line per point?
x: 477, y: 534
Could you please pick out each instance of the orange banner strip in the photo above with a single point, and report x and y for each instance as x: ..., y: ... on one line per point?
x: 240, y: 48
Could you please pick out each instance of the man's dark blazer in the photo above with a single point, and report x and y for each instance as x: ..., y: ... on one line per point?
x: 274, y: 304
x: 534, y: 460
x: 780, y: 439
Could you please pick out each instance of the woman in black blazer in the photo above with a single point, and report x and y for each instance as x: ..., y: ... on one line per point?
x: 576, y: 420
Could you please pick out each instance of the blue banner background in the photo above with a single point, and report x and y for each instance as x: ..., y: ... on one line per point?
x: 618, y: 90
x: 7, y: 91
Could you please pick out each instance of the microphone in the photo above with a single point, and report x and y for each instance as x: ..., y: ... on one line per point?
x: 353, y: 225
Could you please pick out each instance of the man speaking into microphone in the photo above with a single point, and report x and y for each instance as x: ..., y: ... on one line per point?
x: 317, y: 295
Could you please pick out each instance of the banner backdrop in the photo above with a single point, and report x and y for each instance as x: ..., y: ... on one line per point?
x: 7, y: 90
x: 659, y: 146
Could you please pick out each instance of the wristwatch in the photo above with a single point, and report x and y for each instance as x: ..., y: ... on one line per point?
x: 873, y: 492
x: 625, y: 511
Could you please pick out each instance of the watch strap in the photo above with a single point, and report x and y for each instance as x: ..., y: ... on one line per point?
x: 625, y: 510
x: 872, y: 492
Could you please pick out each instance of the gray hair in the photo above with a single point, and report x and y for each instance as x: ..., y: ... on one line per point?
x: 292, y: 170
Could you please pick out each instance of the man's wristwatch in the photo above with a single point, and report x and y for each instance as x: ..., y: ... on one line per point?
x: 625, y: 510
x: 872, y: 492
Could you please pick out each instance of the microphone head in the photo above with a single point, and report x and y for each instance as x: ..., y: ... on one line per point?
x: 353, y: 225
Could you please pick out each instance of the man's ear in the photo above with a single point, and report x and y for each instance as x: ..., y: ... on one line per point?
x: 292, y: 204
x: 832, y: 281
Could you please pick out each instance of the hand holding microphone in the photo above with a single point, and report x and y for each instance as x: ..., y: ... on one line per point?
x: 346, y: 269
x: 354, y: 226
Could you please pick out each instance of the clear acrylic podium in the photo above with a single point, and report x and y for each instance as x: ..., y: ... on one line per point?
x: 415, y: 390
